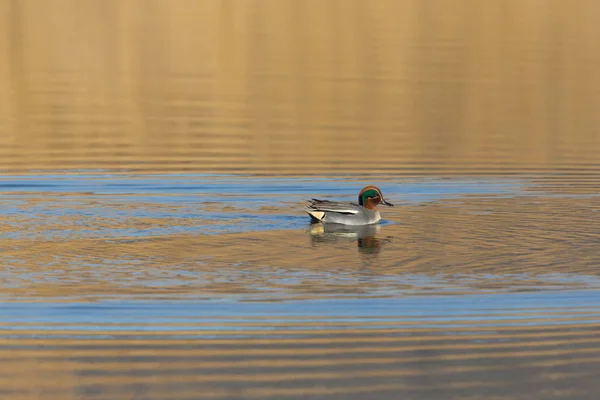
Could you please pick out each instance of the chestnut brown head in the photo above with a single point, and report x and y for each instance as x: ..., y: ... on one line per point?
x: 370, y: 196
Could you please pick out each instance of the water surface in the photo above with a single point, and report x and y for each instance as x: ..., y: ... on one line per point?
x: 216, y: 286
x: 155, y: 156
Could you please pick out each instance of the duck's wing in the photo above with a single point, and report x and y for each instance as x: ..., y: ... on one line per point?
x: 333, y: 206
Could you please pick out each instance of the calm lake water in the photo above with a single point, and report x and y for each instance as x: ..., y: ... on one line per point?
x: 186, y: 286
x: 155, y: 157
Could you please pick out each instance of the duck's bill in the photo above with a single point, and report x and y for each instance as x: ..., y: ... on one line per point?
x: 387, y: 203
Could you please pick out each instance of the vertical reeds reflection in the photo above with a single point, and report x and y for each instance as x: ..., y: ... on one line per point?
x: 299, y: 86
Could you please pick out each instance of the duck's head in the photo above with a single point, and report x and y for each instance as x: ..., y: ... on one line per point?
x: 370, y: 196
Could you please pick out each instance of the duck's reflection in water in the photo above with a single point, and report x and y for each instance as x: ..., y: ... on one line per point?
x: 365, y: 236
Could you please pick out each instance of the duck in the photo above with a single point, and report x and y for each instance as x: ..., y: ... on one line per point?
x: 346, y: 213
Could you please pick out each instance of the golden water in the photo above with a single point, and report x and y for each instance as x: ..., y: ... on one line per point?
x: 299, y: 86
x: 155, y: 156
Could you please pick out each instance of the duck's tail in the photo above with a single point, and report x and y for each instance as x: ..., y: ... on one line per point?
x: 315, y: 216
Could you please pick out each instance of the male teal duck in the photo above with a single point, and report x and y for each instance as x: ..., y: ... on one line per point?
x: 346, y: 213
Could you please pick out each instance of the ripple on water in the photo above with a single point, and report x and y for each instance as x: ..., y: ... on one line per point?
x: 426, y: 347
x: 216, y: 287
